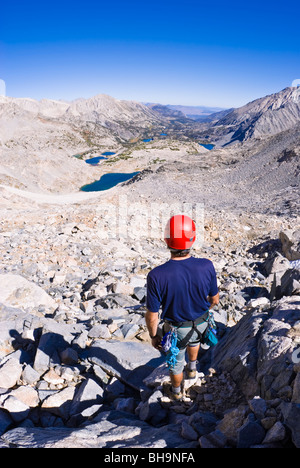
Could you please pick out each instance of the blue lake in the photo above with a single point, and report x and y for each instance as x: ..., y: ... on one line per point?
x: 108, y: 153
x: 208, y: 146
x: 94, y: 161
x: 148, y: 139
x: 108, y: 181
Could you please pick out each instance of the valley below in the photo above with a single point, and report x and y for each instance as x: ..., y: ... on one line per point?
x: 76, y: 365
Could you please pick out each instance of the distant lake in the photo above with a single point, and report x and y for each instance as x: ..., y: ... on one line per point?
x: 208, y: 146
x: 147, y: 140
x: 108, y: 153
x: 107, y: 181
x: 94, y: 161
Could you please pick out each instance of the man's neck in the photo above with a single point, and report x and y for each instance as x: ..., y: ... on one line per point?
x: 173, y: 257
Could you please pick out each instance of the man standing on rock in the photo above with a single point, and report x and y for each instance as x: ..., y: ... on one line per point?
x: 186, y: 288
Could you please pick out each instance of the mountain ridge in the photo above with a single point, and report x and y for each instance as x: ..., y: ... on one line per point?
x: 90, y: 109
x: 262, y: 117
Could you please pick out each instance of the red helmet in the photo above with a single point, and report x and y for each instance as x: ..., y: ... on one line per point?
x: 180, y: 232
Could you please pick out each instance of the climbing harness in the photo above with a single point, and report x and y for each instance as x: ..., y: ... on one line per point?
x: 169, y: 340
x: 193, y: 324
x: 169, y: 347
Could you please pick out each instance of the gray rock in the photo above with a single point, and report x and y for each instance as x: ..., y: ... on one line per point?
x: 125, y: 404
x: 11, y: 318
x: 276, y: 263
x: 203, y: 423
x: 89, y: 393
x: 27, y: 394
x: 258, y: 406
x: 29, y: 375
x: 290, y: 244
x: 81, y: 340
x: 233, y: 419
x: 5, y: 421
x: 100, y: 374
x: 140, y: 293
x: 277, y: 433
x: 255, y: 351
x: 215, y: 439
x: 129, y: 330
x: 16, y: 408
x: 10, y: 371
x: 116, y: 300
x: 17, y: 291
x: 296, y: 389
x: 80, y: 418
x: 115, y: 389
x: 291, y: 418
x: 188, y: 432
x: 55, y: 339
x: 290, y: 283
x: 109, y: 431
x: 69, y: 356
x: 237, y: 354
x: 123, y: 356
x: 251, y: 433
x: 151, y: 407
x: 59, y: 403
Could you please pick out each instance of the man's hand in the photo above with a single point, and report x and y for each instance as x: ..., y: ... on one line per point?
x: 213, y: 300
x: 156, y: 342
x: 152, y: 323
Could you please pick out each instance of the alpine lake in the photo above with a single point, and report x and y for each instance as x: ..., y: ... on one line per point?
x: 108, y: 180
x: 112, y: 179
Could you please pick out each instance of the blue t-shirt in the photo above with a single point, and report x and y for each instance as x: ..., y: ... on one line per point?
x: 181, y: 288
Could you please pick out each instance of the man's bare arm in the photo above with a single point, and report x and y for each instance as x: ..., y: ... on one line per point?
x: 152, y: 324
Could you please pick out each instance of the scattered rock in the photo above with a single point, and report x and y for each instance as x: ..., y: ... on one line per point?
x: 258, y: 406
x: 59, y: 403
x: 86, y: 351
x: 250, y: 434
x: 290, y: 244
x: 276, y: 433
x: 10, y: 371
x: 17, y: 291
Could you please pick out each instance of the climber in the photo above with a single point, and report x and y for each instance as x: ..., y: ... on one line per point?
x: 185, y: 288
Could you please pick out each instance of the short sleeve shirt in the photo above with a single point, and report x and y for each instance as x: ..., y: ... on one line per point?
x: 181, y: 288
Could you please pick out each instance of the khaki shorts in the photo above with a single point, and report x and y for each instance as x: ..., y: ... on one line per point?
x: 181, y: 334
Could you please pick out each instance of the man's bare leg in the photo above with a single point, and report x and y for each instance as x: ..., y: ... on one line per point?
x: 192, y: 352
x: 176, y: 380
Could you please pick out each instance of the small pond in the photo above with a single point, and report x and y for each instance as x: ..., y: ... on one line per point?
x: 95, y: 161
x: 208, y: 146
x: 108, y: 181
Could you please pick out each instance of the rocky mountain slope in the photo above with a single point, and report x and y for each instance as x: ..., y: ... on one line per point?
x: 76, y: 365
x: 38, y: 139
x: 77, y: 369
x: 257, y: 176
x: 263, y: 117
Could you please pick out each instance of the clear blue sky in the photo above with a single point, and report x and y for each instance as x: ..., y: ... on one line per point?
x: 214, y: 53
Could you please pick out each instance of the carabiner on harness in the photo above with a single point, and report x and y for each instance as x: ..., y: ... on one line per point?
x: 210, y: 335
x: 169, y: 347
